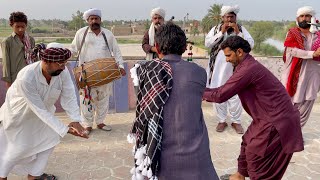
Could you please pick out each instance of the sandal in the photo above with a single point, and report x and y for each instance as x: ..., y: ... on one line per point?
x: 104, y: 127
x: 46, y: 176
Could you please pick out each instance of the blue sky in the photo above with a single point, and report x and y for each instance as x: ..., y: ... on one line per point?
x: 140, y: 9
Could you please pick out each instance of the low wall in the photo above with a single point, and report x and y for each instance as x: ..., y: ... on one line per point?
x: 124, y: 97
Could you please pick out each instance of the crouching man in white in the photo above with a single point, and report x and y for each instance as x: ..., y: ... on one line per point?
x: 29, y: 131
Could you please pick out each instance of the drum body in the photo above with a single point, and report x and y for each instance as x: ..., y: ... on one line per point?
x: 96, y: 73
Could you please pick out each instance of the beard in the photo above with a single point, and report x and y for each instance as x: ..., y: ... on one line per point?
x: 304, y: 24
x: 157, y: 25
x: 55, y: 73
x: 95, y: 26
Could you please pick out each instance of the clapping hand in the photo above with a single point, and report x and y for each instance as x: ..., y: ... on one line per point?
x: 316, y: 53
x: 76, y: 129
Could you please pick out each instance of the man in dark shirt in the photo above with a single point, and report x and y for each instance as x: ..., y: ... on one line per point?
x: 148, y: 43
x: 275, y: 133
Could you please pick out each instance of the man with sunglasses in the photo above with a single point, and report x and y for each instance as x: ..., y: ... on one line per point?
x: 29, y: 131
x: 148, y: 43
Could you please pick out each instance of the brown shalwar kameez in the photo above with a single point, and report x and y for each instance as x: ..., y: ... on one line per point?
x: 275, y: 131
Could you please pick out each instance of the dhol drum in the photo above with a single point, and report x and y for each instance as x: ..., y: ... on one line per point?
x: 96, y: 73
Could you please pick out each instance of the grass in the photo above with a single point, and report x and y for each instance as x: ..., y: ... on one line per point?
x: 198, y: 41
x: 5, y: 31
x: 128, y: 41
x: 59, y: 40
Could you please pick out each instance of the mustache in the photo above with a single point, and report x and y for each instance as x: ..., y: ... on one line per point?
x: 304, y: 24
x: 95, y: 25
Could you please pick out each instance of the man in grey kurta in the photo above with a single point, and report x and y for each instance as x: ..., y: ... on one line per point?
x: 301, y: 75
x: 184, y: 145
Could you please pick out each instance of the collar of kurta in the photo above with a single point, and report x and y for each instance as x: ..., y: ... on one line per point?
x: 13, y: 34
x: 248, y: 56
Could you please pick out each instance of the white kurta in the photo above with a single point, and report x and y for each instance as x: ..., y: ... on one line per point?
x: 27, y: 116
x: 222, y: 69
x: 95, y: 47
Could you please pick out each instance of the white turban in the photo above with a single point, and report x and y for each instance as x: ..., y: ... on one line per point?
x: 55, y: 45
x: 159, y: 11
x: 229, y: 9
x: 91, y: 12
x: 306, y: 10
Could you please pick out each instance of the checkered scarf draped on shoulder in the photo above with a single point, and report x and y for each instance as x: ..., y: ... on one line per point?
x: 55, y: 54
x: 155, y: 84
x: 216, y: 48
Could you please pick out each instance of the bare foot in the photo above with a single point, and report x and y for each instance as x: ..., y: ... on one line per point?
x: 237, y: 176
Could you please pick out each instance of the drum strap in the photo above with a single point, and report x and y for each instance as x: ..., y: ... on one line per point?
x: 105, y: 39
x: 82, y: 42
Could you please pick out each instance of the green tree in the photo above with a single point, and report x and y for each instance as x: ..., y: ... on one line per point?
x: 260, y: 31
x: 77, y: 21
x: 147, y: 24
x: 212, y: 18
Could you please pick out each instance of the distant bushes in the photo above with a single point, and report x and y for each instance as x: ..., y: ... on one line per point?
x: 267, y: 50
x: 38, y: 30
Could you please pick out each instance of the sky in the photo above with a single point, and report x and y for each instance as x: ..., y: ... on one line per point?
x: 140, y: 9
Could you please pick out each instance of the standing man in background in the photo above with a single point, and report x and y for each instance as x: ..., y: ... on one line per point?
x: 98, y: 43
x: 148, y: 43
x: 219, y: 70
x: 17, y: 48
x: 301, y: 75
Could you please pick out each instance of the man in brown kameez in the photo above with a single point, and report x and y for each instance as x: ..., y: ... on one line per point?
x: 275, y: 133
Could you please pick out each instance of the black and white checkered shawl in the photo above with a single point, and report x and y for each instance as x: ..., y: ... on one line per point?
x: 155, y: 84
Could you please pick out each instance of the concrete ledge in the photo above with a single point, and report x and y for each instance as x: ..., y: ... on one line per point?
x: 274, y: 64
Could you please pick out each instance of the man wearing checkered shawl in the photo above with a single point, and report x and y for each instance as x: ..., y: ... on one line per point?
x: 29, y: 131
x: 169, y: 129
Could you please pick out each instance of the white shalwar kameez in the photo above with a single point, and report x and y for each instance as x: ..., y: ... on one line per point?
x: 29, y: 130
x: 95, y: 47
x: 223, y: 70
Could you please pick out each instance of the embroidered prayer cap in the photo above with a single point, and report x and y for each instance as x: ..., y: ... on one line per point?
x: 229, y: 9
x: 91, y: 12
x: 55, y: 52
x: 306, y: 10
x: 161, y: 12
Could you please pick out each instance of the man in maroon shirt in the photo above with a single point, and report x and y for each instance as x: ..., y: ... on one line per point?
x: 275, y: 133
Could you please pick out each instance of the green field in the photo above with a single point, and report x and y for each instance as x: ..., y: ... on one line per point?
x: 5, y: 31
